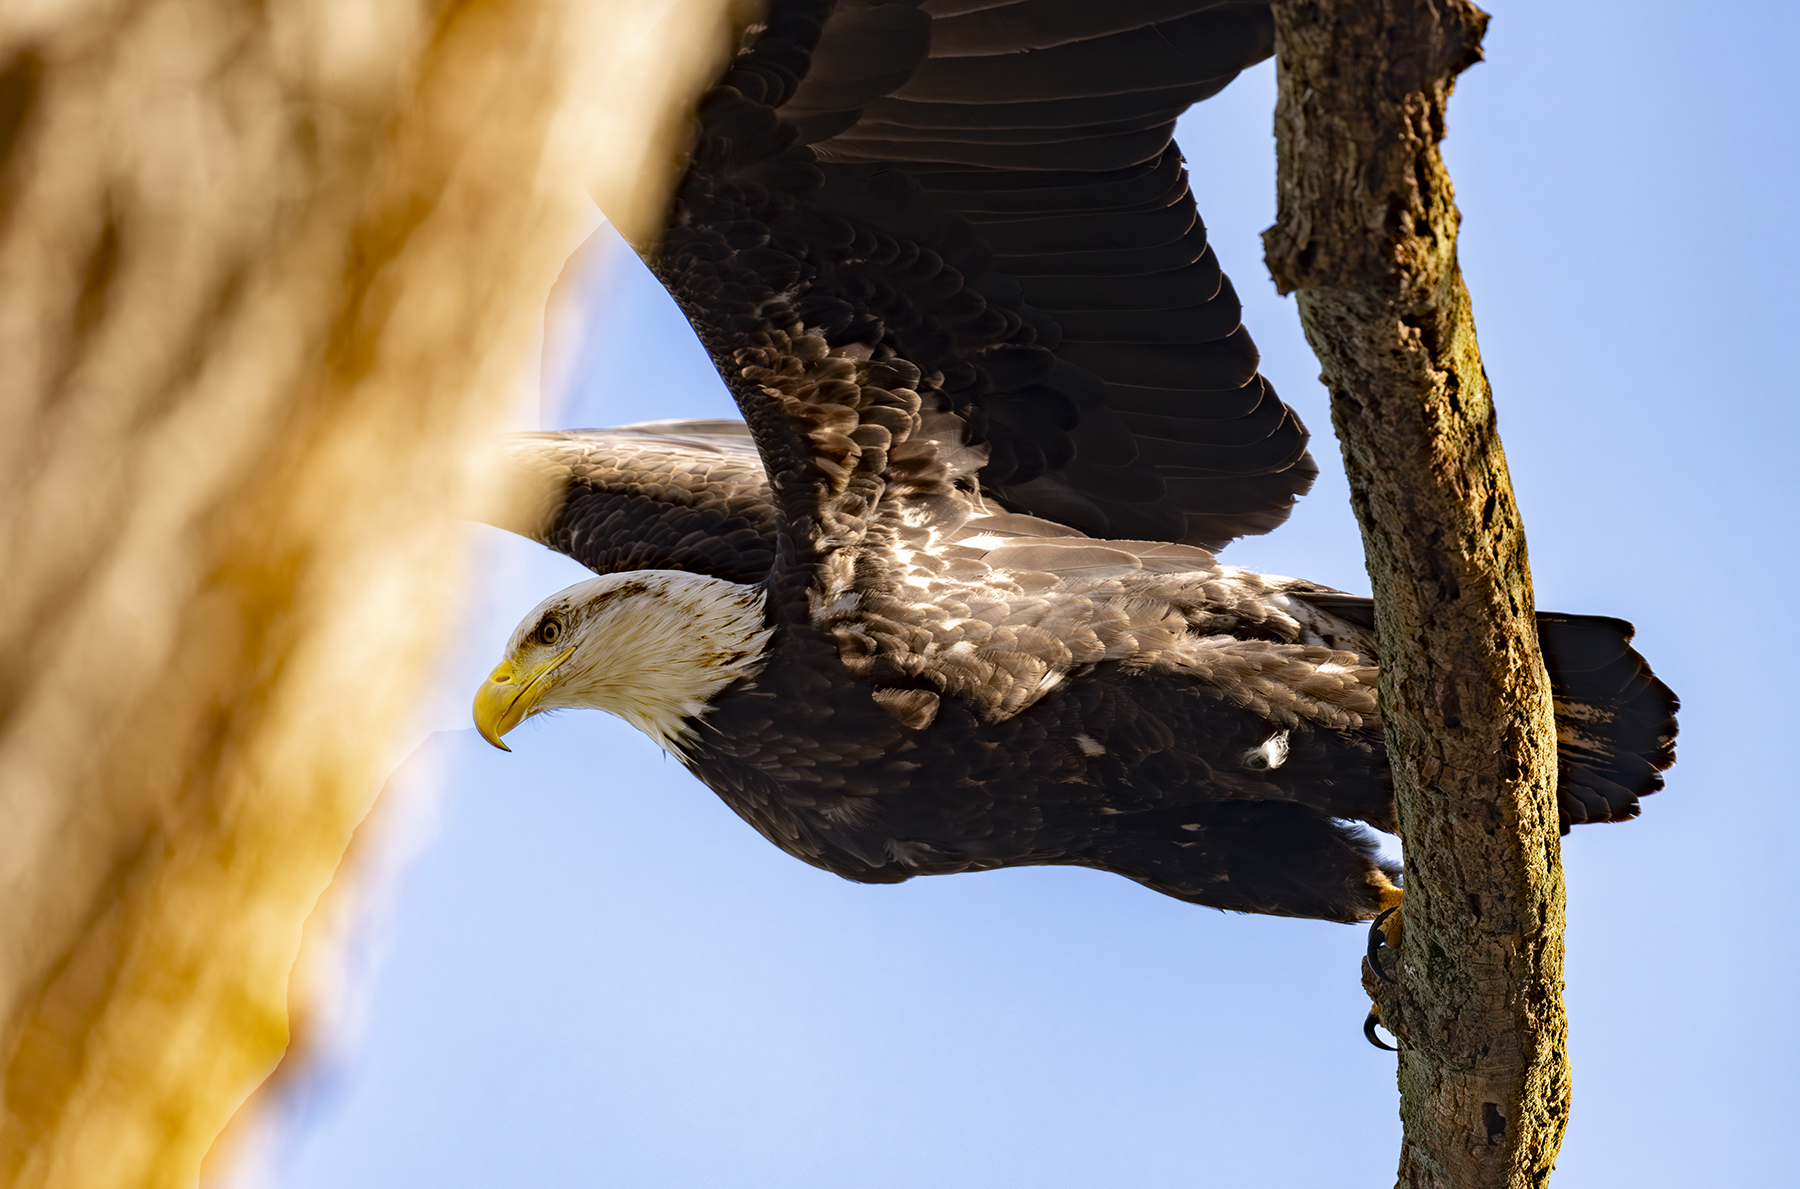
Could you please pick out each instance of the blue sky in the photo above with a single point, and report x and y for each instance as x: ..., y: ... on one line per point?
x: 588, y: 973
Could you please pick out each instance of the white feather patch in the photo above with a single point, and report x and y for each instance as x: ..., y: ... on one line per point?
x: 1270, y: 754
x: 652, y: 646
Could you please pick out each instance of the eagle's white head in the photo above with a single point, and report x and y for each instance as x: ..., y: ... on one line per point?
x: 651, y: 646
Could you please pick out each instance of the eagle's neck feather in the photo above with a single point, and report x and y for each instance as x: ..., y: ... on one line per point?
x: 657, y: 646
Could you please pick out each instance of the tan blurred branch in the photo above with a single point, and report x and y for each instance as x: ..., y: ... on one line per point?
x: 268, y: 275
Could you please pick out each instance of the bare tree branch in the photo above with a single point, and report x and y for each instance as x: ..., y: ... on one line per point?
x: 1367, y: 237
x: 268, y: 276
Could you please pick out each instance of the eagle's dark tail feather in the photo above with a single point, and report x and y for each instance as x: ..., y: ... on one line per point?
x: 1615, y: 722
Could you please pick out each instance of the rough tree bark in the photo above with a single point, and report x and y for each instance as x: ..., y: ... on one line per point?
x: 1366, y: 235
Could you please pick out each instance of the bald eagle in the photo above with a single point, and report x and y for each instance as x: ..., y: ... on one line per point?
x: 947, y: 599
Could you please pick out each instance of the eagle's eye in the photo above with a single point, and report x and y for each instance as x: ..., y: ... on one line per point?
x: 548, y: 631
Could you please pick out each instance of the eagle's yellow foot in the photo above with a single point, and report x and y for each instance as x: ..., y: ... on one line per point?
x: 1385, y: 932
x: 1371, y: 1021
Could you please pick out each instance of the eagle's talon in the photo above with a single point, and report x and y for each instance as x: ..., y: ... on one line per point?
x: 1377, y: 942
x: 1369, y: 1023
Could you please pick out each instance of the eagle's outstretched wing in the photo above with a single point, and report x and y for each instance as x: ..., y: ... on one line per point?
x: 666, y: 495
x: 952, y: 245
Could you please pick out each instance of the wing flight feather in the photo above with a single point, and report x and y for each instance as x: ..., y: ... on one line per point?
x: 987, y: 201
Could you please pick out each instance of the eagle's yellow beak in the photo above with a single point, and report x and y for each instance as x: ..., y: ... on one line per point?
x: 510, y: 694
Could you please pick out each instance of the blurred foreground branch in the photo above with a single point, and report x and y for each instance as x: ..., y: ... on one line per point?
x: 268, y: 275
x: 1367, y: 236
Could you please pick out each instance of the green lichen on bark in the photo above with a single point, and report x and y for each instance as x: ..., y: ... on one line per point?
x: 1366, y: 236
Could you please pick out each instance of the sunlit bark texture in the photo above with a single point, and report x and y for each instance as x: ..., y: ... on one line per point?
x: 269, y: 273
x: 1367, y: 237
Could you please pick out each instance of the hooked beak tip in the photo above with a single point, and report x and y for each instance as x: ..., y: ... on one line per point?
x: 497, y: 708
x: 511, y: 694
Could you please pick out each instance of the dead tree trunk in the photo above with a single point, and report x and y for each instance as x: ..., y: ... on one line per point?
x: 1367, y: 237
